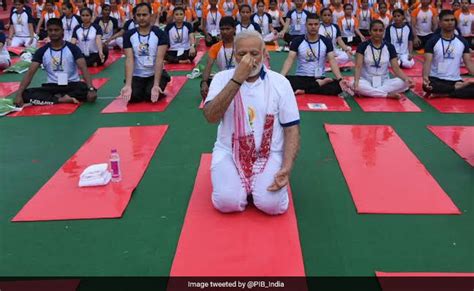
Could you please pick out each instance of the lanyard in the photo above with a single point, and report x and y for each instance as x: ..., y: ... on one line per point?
x: 180, y: 38
x: 348, y: 24
x: 140, y: 40
x: 58, y: 65
x: 260, y: 20
x: 18, y: 18
x: 447, y: 49
x: 214, y: 20
x: 228, y: 62
x: 376, y: 62
x: 68, y: 25
x: 364, y: 17
x: 298, y: 19
x: 106, y: 26
x: 327, y: 32
x: 399, y: 38
x: 311, y: 48
x: 85, y: 37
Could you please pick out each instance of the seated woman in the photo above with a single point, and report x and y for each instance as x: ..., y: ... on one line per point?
x: 88, y: 37
x: 329, y: 30
x: 110, y: 27
x: 400, y: 35
x: 349, y: 26
x: 371, y: 78
x: 145, y: 48
x: 182, y: 43
x: 70, y: 20
x: 246, y: 22
x: 264, y: 20
x: 61, y: 60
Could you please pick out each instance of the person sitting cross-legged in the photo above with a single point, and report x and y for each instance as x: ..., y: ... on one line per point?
x: 443, y: 55
x: 60, y: 60
x: 373, y: 57
x: 311, y: 52
x: 182, y: 43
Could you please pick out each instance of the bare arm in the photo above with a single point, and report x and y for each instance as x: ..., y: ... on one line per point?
x: 160, y: 56
x: 397, y: 71
x: 288, y: 63
x: 290, y: 150
x: 73, y: 40
x: 205, y: 77
x: 341, y: 43
x: 40, y: 24
x: 427, y: 66
x: 25, y: 82
x: 285, y: 27
x: 129, y: 61
x: 358, y: 69
x: 334, y: 65
x: 410, y: 47
x: 215, y: 109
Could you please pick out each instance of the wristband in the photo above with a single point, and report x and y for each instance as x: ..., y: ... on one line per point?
x: 236, y: 82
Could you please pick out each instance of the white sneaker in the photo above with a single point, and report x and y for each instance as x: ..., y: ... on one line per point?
x: 286, y: 48
x: 194, y: 74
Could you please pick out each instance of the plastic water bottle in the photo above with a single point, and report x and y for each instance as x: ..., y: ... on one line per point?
x: 115, y: 166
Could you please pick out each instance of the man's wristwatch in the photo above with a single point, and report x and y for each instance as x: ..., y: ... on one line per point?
x: 92, y: 89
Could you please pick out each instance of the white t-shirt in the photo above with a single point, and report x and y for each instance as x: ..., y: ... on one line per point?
x: 465, y: 23
x: 284, y: 107
x: 262, y: 21
x: 86, y: 38
x: 20, y: 22
x: 179, y: 37
x: 69, y: 24
x: 376, y: 60
x: 399, y: 37
x: 311, y: 56
x: 447, y: 56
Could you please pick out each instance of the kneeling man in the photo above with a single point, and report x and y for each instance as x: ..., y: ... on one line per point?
x: 258, y: 134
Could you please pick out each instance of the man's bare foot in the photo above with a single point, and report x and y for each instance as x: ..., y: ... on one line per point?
x: 68, y: 99
x: 460, y: 85
x: 299, y: 92
x: 435, y: 95
x: 394, y: 95
x: 185, y: 61
x: 324, y: 81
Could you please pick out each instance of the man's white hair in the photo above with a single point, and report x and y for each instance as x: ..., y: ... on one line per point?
x: 248, y: 34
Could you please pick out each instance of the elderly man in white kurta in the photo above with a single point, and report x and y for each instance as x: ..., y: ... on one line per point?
x: 258, y: 133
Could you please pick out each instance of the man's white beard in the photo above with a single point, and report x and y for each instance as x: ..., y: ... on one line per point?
x: 256, y: 71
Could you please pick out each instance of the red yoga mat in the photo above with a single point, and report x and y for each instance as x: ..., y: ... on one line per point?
x: 313, y: 102
x: 17, y: 50
x: 383, y: 175
x: 56, y: 109
x: 40, y: 285
x: 8, y: 88
x: 423, y: 281
x: 185, y: 67
x: 386, y: 105
x: 62, y: 199
x: 250, y: 243
x: 415, y: 71
x: 458, y: 138
x: 113, y: 57
x: 446, y: 104
x: 172, y: 89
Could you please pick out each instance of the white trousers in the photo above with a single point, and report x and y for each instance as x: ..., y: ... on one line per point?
x: 405, y: 62
x: 341, y: 56
x: 228, y: 194
x: 118, y: 42
x: 394, y: 85
x: 23, y: 41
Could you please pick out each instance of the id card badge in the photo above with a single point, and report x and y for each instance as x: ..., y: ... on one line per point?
x: 297, y: 27
x: 318, y: 72
x: 377, y: 81
x: 443, y: 66
x: 350, y: 38
x: 147, y: 61
x: 214, y: 33
x: 86, y: 51
x: 62, y: 78
x: 180, y: 52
